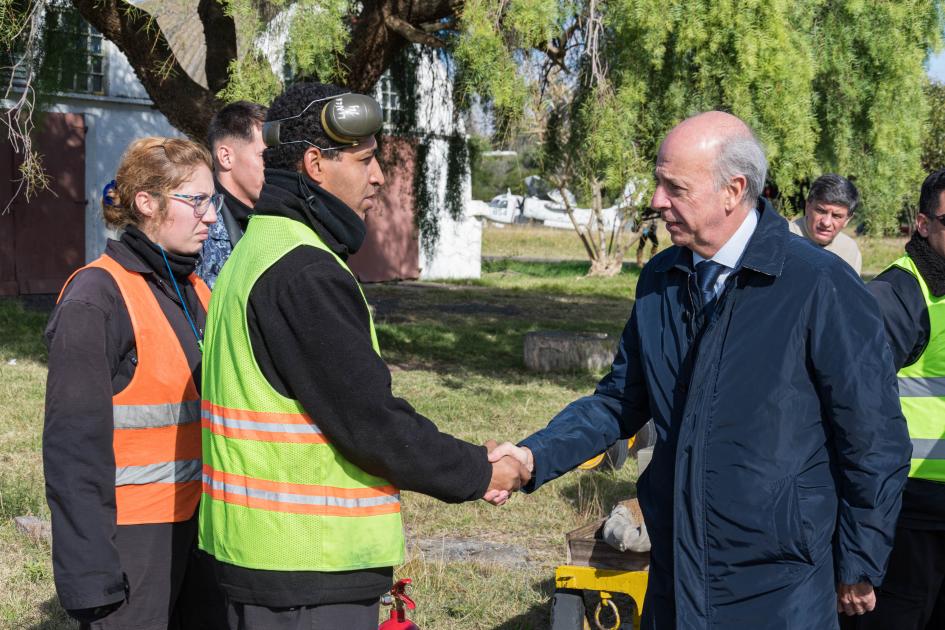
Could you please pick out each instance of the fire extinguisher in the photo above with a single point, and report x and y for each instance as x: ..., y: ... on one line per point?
x: 398, y: 600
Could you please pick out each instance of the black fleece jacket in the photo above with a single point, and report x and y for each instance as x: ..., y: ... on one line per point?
x: 908, y: 327
x: 308, y: 325
x: 92, y: 356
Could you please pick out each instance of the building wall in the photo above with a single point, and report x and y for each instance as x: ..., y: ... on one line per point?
x: 458, y: 250
x: 112, y: 122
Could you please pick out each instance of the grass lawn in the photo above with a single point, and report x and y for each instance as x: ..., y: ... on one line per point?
x: 524, y: 241
x: 456, y: 352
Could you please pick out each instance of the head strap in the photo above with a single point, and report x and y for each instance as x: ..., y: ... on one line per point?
x: 346, y: 119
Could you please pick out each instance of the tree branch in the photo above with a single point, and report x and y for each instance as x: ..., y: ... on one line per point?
x: 412, y: 34
x: 219, y: 31
x: 186, y: 104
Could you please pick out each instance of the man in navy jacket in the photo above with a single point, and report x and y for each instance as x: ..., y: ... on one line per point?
x: 781, y: 450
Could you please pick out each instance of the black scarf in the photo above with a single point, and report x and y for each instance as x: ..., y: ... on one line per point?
x: 296, y: 196
x: 929, y: 263
x: 150, y: 254
x: 237, y: 208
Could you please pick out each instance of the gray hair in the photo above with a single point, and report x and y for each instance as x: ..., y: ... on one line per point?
x: 742, y: 154
x: 835, y: 190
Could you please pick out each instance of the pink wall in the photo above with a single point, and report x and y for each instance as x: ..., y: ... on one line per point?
x: 391, y: 250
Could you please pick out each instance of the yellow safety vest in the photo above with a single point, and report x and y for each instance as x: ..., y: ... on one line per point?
x: 922, y: 389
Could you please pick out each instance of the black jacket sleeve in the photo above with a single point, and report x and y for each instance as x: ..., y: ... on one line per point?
x: 905, y: 315
x: 309, y: 329
x: 78, y: 459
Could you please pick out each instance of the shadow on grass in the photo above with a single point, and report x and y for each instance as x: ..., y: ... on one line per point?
x: 54, y: 617
x: 538, y: 616
x: 21, y: 331
x: 480, y: 329
x: 591, y: 491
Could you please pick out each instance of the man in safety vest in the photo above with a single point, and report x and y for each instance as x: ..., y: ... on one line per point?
x: 911, y: 295
x: 305, y: 448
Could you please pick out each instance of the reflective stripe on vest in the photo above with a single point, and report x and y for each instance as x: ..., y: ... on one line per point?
x: 922, y: 390
x: 277, y: 495
x: 258, y: 425
x: 157, y: 435
x: 299, y: 498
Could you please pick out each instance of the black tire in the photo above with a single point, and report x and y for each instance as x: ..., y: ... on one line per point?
x: 645, y: 438
x: 567, y: 610
x: 616, y: 455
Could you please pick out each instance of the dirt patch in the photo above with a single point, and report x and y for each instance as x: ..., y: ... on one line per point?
x: 469, y: 550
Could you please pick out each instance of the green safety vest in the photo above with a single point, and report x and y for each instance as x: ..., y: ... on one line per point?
x: 922, y: 389
x: 276, y: 494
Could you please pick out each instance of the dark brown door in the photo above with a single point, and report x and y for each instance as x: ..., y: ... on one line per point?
x: 47, y: 233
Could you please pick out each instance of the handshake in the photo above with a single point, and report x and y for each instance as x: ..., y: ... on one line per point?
x: 512, y: 468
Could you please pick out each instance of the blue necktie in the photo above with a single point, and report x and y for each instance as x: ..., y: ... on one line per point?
x: 707, y: 273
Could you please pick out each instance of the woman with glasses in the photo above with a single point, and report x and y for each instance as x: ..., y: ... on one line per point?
x: 121, y: 443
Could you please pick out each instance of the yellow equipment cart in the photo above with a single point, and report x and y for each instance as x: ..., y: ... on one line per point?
x: 595, y: 571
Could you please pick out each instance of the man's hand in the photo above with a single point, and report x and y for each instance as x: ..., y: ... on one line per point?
x: 855, y: 599
x: 509, y: 471
x: 522, y: 453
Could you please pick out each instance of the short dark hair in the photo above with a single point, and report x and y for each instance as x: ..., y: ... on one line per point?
x: 308, y: 127
x: 236, y: 120
x: 932, y: 189
x: 835, y: 190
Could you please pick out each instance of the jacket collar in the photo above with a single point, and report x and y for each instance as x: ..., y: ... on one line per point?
x: 123, y: 255
x: 764, y: 253
x: 293, y: 195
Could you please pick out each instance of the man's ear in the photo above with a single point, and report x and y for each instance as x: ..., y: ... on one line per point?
x: 922, y: 225
x: 224, y: 157
x: 736, y: 191
x: 312, y: 164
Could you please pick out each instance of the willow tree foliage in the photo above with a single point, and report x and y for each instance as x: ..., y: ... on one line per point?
x: 828, y: 85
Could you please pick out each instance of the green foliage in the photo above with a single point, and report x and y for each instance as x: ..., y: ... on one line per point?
x: 532, y: 20
x: 871, y: 106
x: 457, y: 169
x: 933, y: 146
x: 424, y: 216
x: 488, y: 64
x: 251, y: 79
x: 317, y: 36
x: 828, y: 87
x: 495, y: 174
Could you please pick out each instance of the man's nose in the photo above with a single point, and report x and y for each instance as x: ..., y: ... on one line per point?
x: 660, y: 199
x: 377, y: 175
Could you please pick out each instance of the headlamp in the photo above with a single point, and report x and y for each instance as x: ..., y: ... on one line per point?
x: 346, y: 118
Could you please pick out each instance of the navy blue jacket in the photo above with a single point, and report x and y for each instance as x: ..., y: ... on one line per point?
x: 781, y: 449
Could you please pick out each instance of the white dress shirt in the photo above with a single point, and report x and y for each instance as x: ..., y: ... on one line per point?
x: 730, y: 255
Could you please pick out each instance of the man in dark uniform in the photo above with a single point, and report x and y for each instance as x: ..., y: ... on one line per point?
x: 911, y: 296
x: 235, y: 141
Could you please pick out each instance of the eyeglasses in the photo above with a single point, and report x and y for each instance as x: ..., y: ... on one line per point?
x: 938, y: 217
x: 201, y: 203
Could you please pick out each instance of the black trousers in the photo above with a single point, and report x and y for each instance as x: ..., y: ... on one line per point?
x: 912, y: 596
x: 348, y: 616
x: 171, y: 585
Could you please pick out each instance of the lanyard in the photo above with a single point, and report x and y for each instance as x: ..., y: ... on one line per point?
x: 190, y: 320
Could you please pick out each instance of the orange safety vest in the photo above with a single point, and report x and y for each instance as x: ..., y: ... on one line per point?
x: 156, y: 441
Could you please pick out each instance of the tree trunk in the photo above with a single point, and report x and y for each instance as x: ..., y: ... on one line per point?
x: 607, y: 266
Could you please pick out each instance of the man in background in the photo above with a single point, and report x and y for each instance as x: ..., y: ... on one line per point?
x: 830, y: 205
x: 236, y: 144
